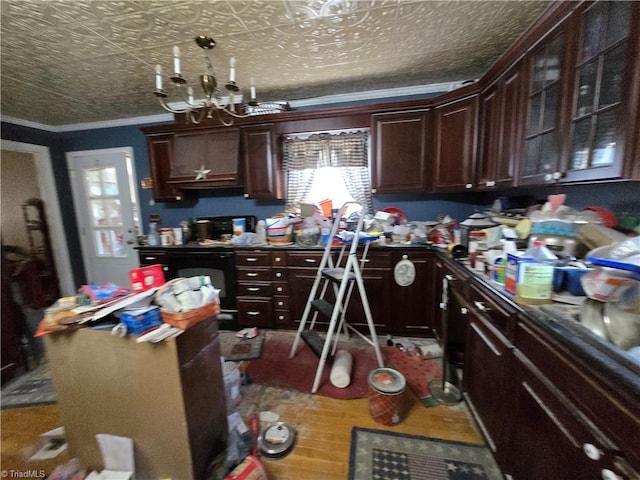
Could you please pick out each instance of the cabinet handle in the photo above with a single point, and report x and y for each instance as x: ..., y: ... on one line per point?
x: 150, y: 258
x: 464, y: 310
x: 548, y: 177
x: 450, y: 278
x: 253, y: 289
x: 252, y: 259
x: 253, y: 313
x: 246, y: 195
x: 252, y: 274
x: 468, y: 186
x: 491, y: 183
x: 178, y: 197
x: 373, y: 190
x: 310, y: 260
x: 482, y: 307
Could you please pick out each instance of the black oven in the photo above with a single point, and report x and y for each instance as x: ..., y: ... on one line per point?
x: 219, y: 265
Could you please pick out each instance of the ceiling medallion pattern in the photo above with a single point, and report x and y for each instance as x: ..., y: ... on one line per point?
x: 95, y: 59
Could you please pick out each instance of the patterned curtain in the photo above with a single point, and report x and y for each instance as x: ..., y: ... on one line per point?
x: 347, y: 151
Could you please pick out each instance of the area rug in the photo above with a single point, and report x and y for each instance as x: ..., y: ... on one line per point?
x: 33, y: 388
x: 276, y: 369
x: 246, y: 349
x: 382, y: 455
x: 417, y: 371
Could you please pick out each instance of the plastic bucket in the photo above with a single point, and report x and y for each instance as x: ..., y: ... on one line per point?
x: 386, y: 396
x: 231, y: 375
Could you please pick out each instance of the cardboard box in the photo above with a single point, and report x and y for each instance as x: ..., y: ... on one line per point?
x: 145, y: 278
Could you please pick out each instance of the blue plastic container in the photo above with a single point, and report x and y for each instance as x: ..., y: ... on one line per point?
x: 140, y: 320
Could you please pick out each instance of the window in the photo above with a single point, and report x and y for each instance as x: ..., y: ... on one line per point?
x: 328, y: 166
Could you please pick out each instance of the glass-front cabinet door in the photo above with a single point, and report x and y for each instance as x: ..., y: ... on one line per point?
x: 597, y: 134
x: 541, y: 152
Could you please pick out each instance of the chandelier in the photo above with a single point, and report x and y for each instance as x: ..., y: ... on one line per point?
x: 214, y: 102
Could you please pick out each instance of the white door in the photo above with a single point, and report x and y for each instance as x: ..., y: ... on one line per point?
x: 105, y: 199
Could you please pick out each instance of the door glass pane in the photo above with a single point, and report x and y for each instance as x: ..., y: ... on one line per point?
x: 586, y: 88
x: 92, y: 182
x: 595, y: 21
x: 98, y: 215
x: 117, y: 241
x: 531, y: 165
x: 605, y: 138
x: 548, y: 152
x: 550, y: 102
x: 534, y: 115
x: 618, y: 22
x: 612, y: 73
x: 580, y: 150
x: 113, y: 213
x: 103, y: 242
x: 552, y: 70
x: 110, y: 181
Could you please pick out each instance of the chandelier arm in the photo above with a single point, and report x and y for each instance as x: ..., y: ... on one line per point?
x: 222, y: 120
x: 196, y: 119
x: 169, y: 109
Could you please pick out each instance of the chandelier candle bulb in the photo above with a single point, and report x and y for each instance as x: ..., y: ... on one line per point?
x: 232, y: 69
x: 253, y: 90
x: 190, y: 94
x: 158, y: 77
x: 176, y: 60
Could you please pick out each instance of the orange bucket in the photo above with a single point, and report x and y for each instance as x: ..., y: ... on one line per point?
x: 386, y: 395
x: 326, y: 206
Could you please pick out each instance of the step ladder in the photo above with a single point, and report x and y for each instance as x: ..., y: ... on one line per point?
x: 342, y: 280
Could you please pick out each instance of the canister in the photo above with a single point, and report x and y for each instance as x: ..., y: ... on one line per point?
x: 386, y: 395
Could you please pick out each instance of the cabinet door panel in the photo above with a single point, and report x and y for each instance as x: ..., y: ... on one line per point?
x: 160, y: 159
x: 455, y: 126
x: 399, y: 152
x: 263, y: 176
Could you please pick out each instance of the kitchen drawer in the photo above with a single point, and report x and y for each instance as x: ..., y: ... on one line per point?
x: 279, y: 274
x: 278, y: 259
x: 253, y: 259
x: 152, y: 257
x: 257, y: 274
x: 375, y: 259
x: 283, y: 319
x: 309, y: 259
x: 264, y: 289
x: 255, y: 312
x: 500, y: 314
x: 281, y: 302
x: 280, y: 288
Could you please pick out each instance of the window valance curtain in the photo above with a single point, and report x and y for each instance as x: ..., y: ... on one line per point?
x: 346, y: 151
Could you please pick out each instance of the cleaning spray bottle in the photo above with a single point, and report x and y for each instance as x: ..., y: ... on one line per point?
x: 500, y: 262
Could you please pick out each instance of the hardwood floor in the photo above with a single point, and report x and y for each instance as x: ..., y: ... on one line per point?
x: 323, y: 430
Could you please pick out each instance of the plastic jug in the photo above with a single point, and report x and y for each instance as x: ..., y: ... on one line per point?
x: 535, y: 275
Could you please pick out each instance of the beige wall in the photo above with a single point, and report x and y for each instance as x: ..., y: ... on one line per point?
x: 18, y: 182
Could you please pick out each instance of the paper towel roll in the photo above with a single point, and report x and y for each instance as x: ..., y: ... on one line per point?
x: 340, y: 375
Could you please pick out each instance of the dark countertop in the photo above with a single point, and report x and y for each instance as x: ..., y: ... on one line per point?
x: 555, y: 319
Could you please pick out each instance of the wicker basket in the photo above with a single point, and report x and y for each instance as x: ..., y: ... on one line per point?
x: 184, y: 320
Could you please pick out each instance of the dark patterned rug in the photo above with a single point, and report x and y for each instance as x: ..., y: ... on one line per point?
x: 33, y: 388
x: 382, y: 455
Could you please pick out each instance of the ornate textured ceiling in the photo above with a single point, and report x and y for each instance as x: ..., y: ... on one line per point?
x: 74, y: 61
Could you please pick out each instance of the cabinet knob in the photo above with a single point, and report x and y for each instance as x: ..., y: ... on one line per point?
x: 278, y: 274
x: 463, y: 310
x: 279, y: 289
x: 591, y: 451
x: 609, y: 475
x: 373, y: 190
x: 557, y: 175
x: 548, y: 177
x: 450, y: 278
x: 481, y: 306
x: 278, y: 259
x: 491, y: 183
x: 468, y: 186
x: 246, y: 195
x: 280, y: 317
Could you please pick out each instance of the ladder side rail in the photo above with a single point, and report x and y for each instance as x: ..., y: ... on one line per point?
x: 368, y: 315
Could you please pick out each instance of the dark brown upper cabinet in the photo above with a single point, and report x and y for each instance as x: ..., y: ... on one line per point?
x: 399, y: 159
x: 604, y: 91
x: 455, y: 125
x: 541, y: 158
x: 501, y: 123
x: 206, y: 159
x: 263, y: 175
x: 160, y: 157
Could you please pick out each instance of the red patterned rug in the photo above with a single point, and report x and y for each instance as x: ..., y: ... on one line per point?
x: 416, y: 370
x: 275, y: 368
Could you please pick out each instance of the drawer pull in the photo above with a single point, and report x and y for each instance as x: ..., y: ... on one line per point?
x: 464, y: 310
x: 591, y: 451
x: 609, y: 475
x: 278, y: 274
x: 253, y: 289
x: 481, y: 306
x: 450, y: 278
x: 252, y: 274
x: 280, y: 304
x: 280, y: 317
x: 252, y: 259
x: 279, y: 289
x: 278, y: 259
x: 310, y: 260
x: 253, y: 313
x: 150, y: 258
